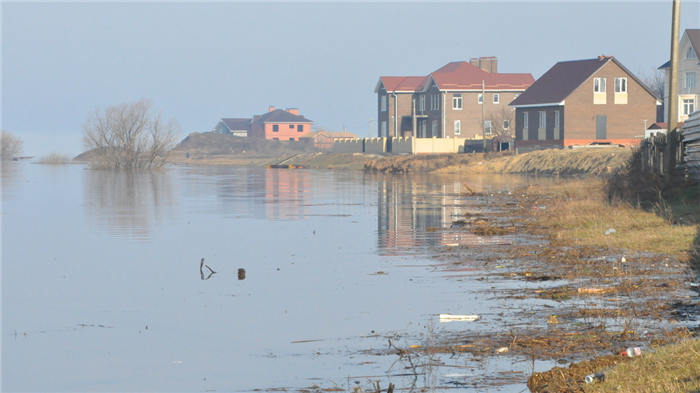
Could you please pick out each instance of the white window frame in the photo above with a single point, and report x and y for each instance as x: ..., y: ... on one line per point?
x: 488, y: 129
x: 691, y: 80
x: 421, y: 102
x: 543, y: 119
x: 691, y: 55
x: 688, y: 106
x: 620, y: 85
x: 435, y: 127
x: 496, y: 98
x: 506, y: 124
x: 382, y: 104
x: 458, y: 127
x: 437, y: 101
x: 480, y: 98
x: 382, y: 129
x: 599, y: 85
x: 526, y: 119
x: 457, y: 102
x: 556, y: 119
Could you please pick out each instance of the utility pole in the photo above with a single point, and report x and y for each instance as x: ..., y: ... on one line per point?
x: 483, y: 113
x: 672, y: 132
x: 673, y: 73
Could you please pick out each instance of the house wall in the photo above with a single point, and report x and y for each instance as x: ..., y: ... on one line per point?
x: 624, y: 121
x: 470, y: 116
x: 392, y: 115
x: 285, y: 133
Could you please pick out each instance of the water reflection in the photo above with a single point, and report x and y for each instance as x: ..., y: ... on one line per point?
x: 11, y: 172
x: 128, y: 203
x: 418, y: 213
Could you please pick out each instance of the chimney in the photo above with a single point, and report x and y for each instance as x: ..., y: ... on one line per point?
x: 272, y: 108
x: 293, y: 111
x: 474, y: 61
x: 489, y: 64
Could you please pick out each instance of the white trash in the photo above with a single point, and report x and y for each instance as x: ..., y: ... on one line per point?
x: 453, y: 318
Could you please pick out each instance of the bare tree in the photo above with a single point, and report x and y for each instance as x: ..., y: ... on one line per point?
x: 129, y: 136
x: 654, y: 79
x: 11, y: 145
x: 502, y: 121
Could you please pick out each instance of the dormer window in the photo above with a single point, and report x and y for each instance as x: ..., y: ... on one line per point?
x: 691, y: 54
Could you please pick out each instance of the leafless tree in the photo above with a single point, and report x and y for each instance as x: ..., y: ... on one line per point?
x: 11, y: 145
x: 654, y: 79
x: 129, y: 137
x: 502, y: 120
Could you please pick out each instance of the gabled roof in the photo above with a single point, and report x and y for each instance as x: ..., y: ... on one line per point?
x: 280, y: 116
x: 461, y: 75
x: 236, y: 124
x: 694, y: 37
x: 564, y: 78
x: 403, y: 84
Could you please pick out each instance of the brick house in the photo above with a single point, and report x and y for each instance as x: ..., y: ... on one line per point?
x: 235, y: 127
x: 283, y: 125
x: 448, y: 102
x: 583, y: 101
x: 325, y: 139
x: 688, y: 70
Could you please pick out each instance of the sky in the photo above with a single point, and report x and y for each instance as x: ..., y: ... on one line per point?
x: 199, y: 62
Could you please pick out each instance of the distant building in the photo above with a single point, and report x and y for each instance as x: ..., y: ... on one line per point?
x: 583, y: 101
x: 688, y: 70
x: 448, y: 102
x: 235, y: 127
x: 275, y: 124
x: 280, y: 125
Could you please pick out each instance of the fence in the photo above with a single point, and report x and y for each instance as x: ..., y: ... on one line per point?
x: 691, y: 146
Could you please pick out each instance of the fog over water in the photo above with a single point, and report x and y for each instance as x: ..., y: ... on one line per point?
x: 102, y: 289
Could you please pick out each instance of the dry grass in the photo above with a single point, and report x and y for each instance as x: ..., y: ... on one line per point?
x: 578, y: 212
x: 674, y: 368
x: 54, y: 158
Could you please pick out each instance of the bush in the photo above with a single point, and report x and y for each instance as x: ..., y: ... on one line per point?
x: 54, y: 158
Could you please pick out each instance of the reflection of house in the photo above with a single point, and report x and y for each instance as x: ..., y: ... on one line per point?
x: 279, y: 125
x: 325, y: 139
x: 448, y: 102
x: 688, y: 70
x: 235, y: 127
x: 582, y: 101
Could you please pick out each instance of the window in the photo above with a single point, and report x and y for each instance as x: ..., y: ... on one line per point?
x: 437, y: 101
x: 556, y: 119
x: 526, y: 119
x: 496, y: 98
x: 599, y: 85
x: 458, y: 126
x: 620, y: 85
x: 275, y: 128
x: 691, y: 80
x: 506, y: 124
x: 382, y: 106
x: 291, y: 126
x: 291, y: 139
x: 300, y: 128
x: 421, y: 102
x: 487, y: 127
x: 382, y: 130
x: 543, y: 119
x: 456, y: 101
x: 435, y: 128
x: 688, y: 107
x: 481, y: 98
x: 691, y: 54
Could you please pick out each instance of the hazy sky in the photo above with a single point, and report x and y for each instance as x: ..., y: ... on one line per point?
x: 199, y: 62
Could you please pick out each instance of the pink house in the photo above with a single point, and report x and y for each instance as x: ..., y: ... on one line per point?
x: 277, y: 124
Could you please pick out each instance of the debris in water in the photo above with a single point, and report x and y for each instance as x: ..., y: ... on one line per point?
x: 241, y: 274
x: 451, y: 318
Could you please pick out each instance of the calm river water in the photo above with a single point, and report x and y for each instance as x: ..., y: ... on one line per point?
x: 102, y: 289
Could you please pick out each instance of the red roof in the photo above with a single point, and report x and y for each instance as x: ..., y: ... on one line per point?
x: 461, y: 75
x: 403, y: 83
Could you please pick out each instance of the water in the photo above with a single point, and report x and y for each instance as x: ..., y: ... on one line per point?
x: 101, y: 287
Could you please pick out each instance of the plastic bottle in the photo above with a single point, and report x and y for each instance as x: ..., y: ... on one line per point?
x: 633, y: 351
x: 597, y: 377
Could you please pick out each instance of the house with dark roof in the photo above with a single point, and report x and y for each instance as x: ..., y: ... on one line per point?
x: 235, y: 127
x: 278, y: 124
x: 324, y: 139
x: 583, y: 101
x: 448, y: 102
x: 688, y: 70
